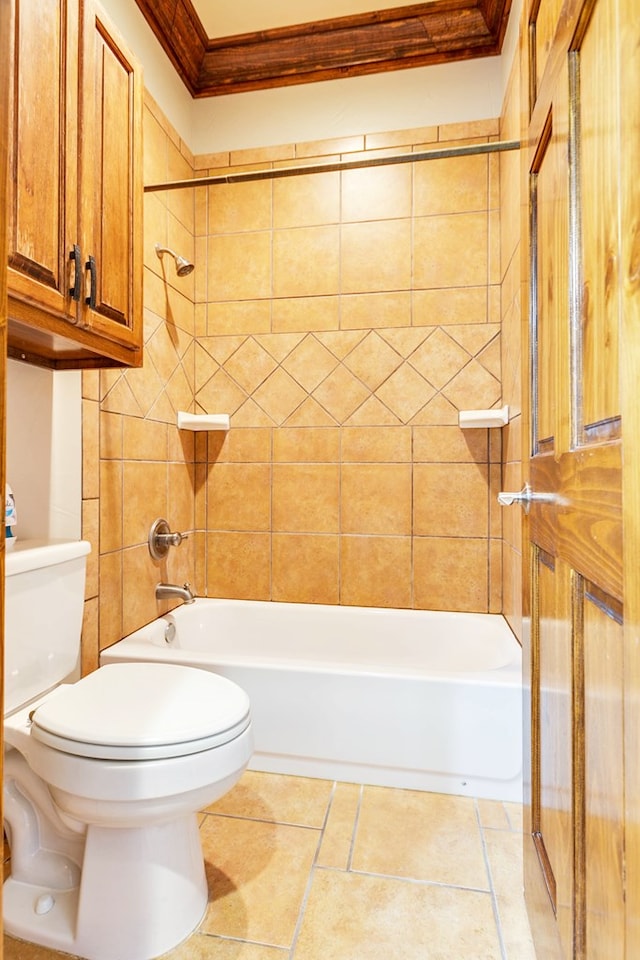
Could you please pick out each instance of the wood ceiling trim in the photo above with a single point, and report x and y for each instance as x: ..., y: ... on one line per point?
x: 402, y: 37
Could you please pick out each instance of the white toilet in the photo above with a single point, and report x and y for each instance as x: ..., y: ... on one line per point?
x: 103, y: 777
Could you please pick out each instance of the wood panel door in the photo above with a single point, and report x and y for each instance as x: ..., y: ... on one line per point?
x: 5, y: 17
x: 43, y: 165
x: 111, y: 181
x: 75, y: 206
x: 581, y: 174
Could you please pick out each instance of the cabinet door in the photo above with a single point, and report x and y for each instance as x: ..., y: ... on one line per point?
x: 42, y: 158
x: 110, y: 112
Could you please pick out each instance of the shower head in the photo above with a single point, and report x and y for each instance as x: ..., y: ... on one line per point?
x: 183, y: 266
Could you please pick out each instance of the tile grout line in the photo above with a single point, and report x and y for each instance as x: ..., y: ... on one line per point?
x: 414, y: 881
x: 307, y: 889
x: 513, y: 827
x: 325, y: 820
x: 279, y: 823
x: 225, y: 938
x: 356, y: 822
x: 494, y: 900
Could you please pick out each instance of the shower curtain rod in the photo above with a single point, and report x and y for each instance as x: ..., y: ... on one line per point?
x: 273, y: 174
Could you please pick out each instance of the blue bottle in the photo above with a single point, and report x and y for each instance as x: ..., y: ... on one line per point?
x: 10, y: 518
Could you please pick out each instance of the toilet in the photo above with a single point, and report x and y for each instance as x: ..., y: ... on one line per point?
x: 103, y: 777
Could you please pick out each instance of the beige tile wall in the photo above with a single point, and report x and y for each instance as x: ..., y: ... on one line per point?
x: 342, y: 320
x: 136, y: 465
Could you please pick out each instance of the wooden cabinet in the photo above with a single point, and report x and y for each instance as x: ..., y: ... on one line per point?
x: 75, y: 206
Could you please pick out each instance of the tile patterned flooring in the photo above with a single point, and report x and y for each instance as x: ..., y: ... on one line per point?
x: 304, y: 869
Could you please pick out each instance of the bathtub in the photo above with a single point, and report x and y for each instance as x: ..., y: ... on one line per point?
x: 403, y: 698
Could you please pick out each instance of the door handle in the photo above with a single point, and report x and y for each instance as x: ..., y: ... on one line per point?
x: 525, y: 498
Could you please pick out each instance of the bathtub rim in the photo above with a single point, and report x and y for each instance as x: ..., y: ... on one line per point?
x: 137, y: 644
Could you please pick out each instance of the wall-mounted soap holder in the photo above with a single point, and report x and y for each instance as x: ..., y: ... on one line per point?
x: 161, y: 538
x: 473, y: 419
x: 202, y: 421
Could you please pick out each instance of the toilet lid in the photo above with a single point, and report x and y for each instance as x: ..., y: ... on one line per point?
x: 139, y: 711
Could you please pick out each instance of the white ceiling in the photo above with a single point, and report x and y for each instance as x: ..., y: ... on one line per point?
x: 223, y: 19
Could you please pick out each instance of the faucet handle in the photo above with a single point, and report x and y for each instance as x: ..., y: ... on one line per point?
x: 173, y: 539
x: 161, y: 538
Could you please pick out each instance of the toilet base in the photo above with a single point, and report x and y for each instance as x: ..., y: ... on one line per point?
x: 142, y: 891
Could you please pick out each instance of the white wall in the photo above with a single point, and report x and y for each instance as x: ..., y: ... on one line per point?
x: 44, y: 451
x: 510, y: 44
x: 401, y: 99
x: 160, y: 77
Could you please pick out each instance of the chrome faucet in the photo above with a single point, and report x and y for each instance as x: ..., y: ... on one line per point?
x: 167, y: 591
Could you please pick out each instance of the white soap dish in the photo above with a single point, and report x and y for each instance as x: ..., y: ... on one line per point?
x: 202, y: 421
x: 470, y: 419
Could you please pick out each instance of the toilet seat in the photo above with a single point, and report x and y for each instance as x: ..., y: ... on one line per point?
x: 142, y: 711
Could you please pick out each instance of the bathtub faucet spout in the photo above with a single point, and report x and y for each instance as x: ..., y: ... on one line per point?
x: 167, y: 591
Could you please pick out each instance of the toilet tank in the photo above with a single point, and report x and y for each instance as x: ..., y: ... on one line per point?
x: 44, y: 600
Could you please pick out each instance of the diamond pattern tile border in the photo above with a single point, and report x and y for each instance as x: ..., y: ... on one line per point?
x: 390, y: 376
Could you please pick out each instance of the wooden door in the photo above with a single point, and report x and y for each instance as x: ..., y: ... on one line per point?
x: 4, y: 126
x: 43, y: 158
x: 581, y: 173
x: 111, y: 181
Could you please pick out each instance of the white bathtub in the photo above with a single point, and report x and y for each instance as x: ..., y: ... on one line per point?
x: 401, y: 698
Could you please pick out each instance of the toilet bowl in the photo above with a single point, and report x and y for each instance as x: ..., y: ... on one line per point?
x: 103, y: 779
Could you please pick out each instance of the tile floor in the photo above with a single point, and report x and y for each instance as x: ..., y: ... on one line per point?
x: 303, y: 869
